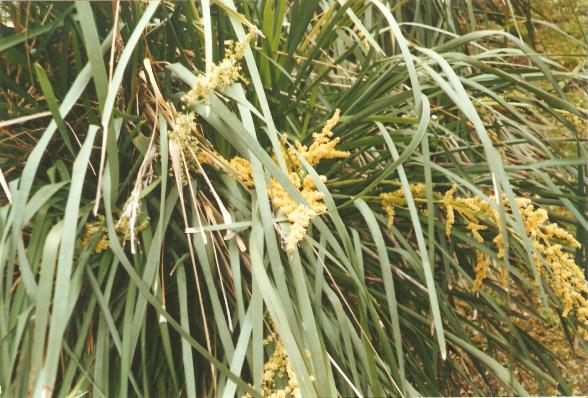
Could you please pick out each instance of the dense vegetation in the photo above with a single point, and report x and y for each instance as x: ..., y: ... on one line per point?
x: 293, y: 198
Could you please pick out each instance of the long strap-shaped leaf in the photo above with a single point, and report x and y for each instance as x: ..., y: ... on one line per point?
x: 114, y: 85
x: 34, y: 159
x: 144, y: 291
x: 64, y: 267
x: 90, y: 34
x: 420, y: 237
x: 386, y: 269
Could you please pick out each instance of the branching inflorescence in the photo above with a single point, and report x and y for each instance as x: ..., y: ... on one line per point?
x: 221, y: 75
x: 481, y: 218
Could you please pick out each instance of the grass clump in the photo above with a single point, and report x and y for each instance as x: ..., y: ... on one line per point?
x: 399, y: 191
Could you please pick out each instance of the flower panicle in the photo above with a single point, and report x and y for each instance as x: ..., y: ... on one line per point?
x: 564, y: 276
x: 322, y: 147
x: 219, y: 76
x: 482, y: 268
x: 184, y: 129
x: 242, y: 169
x: 122, y: 228
x: 391, y: 200
x: 554, y: 263
x: 449, y: 213
x: 299, y: 215
x: 278, y: 368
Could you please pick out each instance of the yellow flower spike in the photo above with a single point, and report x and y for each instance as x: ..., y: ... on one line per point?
x: 298, y: 215
x: 503, y: 277
x: 277, y: 368
x: 520, y: 202
x: 323, y: 147
x: 482, y: 268
x: 553, y: 231
x: 185, y: 133
x: 449, y: 213
x: 99, y: 227
x: 220, y: 76
x: 499, y: 242
x: 563, y: 274
x: 300, y: 219
x: 391, y: 200
x: 473, y: 205
x: 92, y: 228
x: 184, y: 128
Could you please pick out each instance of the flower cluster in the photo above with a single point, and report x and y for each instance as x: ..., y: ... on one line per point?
x: 482, y: 218
x: 323, y: 146
x: 99, y: 227
x: 197, y: 149
x: 278, y: 368
x: 392, y: 200
x: 475, y: 212
x: 298, y: 215
x: 242, y: 169
x: 186, y: 131
x: 221, y: 75
x: 93, y: 228
x: 563, y: 274
x: 187, y: 135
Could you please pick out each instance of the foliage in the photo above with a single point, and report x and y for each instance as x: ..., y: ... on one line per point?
x: 289, y: 198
